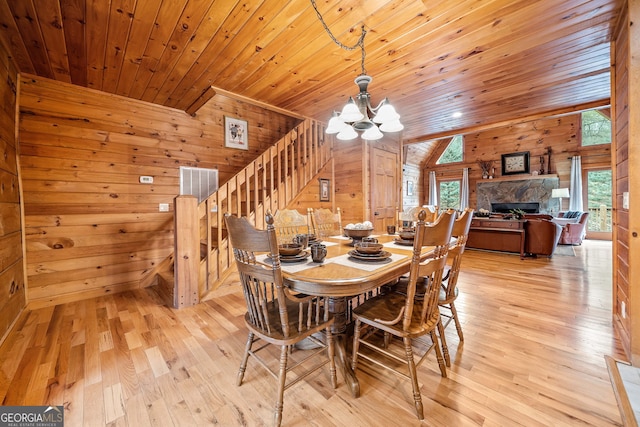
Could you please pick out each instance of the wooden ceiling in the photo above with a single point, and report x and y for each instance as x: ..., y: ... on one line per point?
x: 493, y: 60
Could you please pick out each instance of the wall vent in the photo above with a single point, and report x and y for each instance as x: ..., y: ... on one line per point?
x: 198, y: 182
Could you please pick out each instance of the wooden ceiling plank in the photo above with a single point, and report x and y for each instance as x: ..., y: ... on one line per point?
x: 144, y: 17
x: 238, y: 17
x: 445, y: 86
x: 26, y: 19
x: 267, y: 24
x: 436, y: 77
x: 96, y: 37
x: 315, y: 47
x: 429, y: 57
x: 74, y: 23
x: 197, y: 56
x: 165, y: 22
x: 185, y: 29
x: 193, y: 55
x: 13, y: 37
x: 287, y: 43
x: 392, y: 27
x: 122, y: 12
x: 437, y: 63
x: 50, y: 19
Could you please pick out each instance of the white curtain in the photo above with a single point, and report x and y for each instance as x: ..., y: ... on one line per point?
x: 464, y: 190
x: 433, y: 190
x: 575, y: 191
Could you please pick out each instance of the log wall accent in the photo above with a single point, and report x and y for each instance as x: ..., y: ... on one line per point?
x: 91, y: 227
x: 560, y: 134
x: 12, y: 285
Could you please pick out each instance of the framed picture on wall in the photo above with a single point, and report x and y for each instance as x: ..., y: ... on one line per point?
x: 325, y: 190
x: 409, y: 188
x: 235, y: 133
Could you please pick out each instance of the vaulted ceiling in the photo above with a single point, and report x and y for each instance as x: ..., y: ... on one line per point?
x: 492, y: 60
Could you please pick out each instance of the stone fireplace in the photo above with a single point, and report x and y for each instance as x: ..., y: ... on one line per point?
x: 518, y: 190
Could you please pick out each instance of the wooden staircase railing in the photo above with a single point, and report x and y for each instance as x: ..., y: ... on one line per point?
x: 203, y: 258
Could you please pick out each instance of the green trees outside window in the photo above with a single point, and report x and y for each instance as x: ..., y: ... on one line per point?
x: 596, y: 128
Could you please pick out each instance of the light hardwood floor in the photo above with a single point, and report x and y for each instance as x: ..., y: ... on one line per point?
x: 536, y: 332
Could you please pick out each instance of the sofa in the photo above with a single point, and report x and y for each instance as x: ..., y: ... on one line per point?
x: 574, y: 227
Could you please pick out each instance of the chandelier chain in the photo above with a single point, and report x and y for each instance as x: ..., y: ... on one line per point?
x: 359, y: 43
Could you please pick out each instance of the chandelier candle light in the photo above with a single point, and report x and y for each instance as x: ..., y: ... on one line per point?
x: 355, y: 114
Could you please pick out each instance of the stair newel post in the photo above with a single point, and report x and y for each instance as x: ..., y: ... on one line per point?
x: 187, y: 252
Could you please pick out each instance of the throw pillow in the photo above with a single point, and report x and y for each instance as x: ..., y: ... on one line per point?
x: 572, y: 214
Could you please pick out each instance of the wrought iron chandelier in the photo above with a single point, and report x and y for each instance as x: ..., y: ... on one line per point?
x: 354, y: 116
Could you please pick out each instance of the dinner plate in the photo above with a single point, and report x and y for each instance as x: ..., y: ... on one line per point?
x: 368, y: 257
x: 403, y: 242
x: 293, y: 258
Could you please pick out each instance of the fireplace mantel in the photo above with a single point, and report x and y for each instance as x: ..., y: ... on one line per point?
x: 518, y: 178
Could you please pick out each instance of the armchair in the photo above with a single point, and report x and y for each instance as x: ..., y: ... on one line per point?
x: 574, y: 232
x: 541, y: 237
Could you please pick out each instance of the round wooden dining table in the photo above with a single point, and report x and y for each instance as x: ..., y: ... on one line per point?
x: 342, y: 276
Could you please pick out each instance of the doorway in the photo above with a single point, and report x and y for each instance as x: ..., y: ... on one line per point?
x: 384, y: 188
x: 599, y: 203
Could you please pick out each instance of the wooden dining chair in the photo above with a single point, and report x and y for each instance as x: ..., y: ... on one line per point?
x: 325, y: 222
x: 288, y: 223
x: 432, y: 212
x: 404, y: 316
x: 274, y: 316
x: 449, y: 288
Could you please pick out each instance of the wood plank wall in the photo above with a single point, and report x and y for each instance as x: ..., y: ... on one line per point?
x: 349, y: 172
x: 631, y: 158
x: 91, y: 227
x: 560, y: 134
x: 620, y: 100
x: 309, y: 196
x: 412, y: 173
x: 12, y: 288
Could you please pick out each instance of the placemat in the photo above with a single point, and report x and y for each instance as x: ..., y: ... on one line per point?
x: 348, y: 261
x: 394, y: 246
x: 293, y: 267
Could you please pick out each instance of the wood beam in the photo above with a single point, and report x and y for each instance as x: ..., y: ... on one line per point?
x: 204, y: 97
x: 483, y: 127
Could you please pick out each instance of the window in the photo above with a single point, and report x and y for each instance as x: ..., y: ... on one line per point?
x: 453, y: 152
x: 596, y: 128
x: 449, y: 192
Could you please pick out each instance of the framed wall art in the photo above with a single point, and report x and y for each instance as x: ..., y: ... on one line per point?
x: 515, y: 163
x: 325, y: 190
x: 409, y: 188
x: 235, y: 133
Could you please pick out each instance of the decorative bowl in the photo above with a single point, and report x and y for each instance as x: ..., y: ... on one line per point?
x: 368, y: 247
x: 357, y: 233
x: 289, y: 249
x: 407, y: 234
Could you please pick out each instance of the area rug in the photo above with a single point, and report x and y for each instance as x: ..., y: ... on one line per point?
x: 565, y: 250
